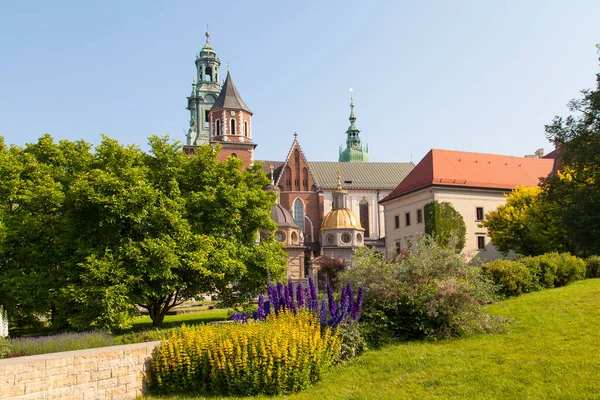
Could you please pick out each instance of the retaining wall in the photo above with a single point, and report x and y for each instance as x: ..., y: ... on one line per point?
x: 117, y: 372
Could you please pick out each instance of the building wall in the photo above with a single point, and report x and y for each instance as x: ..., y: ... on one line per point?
x: 117, y: 372
x: 376, y: 211
x: 312, y: 210
x: 465, y: 201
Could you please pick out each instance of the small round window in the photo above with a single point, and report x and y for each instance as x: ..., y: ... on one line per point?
x: 294, y: 237
x: 346, y: 237
x: 279, y: 236
x: 330, y: 238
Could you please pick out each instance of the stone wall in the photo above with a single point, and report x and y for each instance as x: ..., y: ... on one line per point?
x: 117, y: 372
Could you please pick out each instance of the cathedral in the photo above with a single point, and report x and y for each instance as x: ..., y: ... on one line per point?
x: 324, y: 209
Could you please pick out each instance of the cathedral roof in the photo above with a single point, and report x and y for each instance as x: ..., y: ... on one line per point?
x: 465, y: 169
x: 229, y: 97
x: 368, y: 176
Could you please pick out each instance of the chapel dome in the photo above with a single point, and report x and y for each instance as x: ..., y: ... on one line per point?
x: 342, y: 218
x: 282, y: 217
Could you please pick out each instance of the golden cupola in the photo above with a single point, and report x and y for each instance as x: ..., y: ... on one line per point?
x: 341, y: 227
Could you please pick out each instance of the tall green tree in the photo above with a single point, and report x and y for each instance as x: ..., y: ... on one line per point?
x: 576, y: 188
x: 90, y: 235
x: 445, y: 225
x: 526, y: 224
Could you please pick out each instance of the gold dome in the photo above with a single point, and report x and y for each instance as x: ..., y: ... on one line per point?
x: 342, y: 218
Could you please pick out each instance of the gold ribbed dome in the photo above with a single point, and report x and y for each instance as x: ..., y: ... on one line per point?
x: 342, y: 218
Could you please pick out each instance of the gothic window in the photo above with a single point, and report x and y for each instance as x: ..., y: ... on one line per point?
x: 208, y: 74
x: 363, y: 208
x: 232, y: 126
x: 288, y: 178
x: 218, y: 127
x: 299, y: 214
x: 305, y: 178
x: 297, y: 168
x: 246, y: 128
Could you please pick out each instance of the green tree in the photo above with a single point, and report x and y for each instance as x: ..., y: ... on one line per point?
x: 92, y: 234
x: 526, y: 224
x: 575, y: 189
x: 445, y: 224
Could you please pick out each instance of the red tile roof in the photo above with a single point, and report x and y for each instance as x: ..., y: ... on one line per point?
x: 478, y: 170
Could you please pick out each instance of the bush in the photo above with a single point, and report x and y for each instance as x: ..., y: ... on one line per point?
x: 353, y: 343
x: 283, y: 354
x: 431, y: 293
x: 61, y: 342
x: 511, y: 277
x: 592, y: 267
x: 554, y: 269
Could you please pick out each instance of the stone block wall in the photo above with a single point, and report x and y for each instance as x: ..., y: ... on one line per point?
x: 117, y: 372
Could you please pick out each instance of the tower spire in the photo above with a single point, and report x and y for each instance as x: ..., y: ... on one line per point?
x: 354, y: 151
x: 207, y: 34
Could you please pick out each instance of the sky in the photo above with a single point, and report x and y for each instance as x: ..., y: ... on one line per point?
x: 481, y: 76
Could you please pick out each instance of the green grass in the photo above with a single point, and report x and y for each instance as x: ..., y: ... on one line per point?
x: 552, y: 351
x: 170, y: 321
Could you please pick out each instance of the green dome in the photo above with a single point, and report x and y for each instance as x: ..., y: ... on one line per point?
x: 354, y: 155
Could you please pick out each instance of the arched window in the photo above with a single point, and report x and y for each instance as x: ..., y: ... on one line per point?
x: 297, y: 169
x: 246, y: 128
x: 363, y: 208
x: 305, y: 178
x: 288, y: 178
x: 299, y: 214
x: 218, y: 127
x: 232, y: 123
x: 208, y: 74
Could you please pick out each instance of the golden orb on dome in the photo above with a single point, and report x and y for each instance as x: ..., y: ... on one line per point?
x: 342, y: 218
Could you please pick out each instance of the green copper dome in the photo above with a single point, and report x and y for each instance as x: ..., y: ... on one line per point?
x: 354, y: 151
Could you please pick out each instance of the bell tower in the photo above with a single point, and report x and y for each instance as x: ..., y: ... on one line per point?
x: 205, y: 91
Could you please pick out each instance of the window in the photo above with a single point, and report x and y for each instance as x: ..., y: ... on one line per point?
x: 407, y: 219
x: 363, y: 208
x: 299, y: 214
x: 206, y: 120
x: 480, y: 242
x: 246, y: 128
x: 346, y: 237
x: 330, y: 238
x: 479, y: 213
x: 420, y: 216
x: 232, y: 126
x: 279, y: 236
x: 396, y: 221
x: 208, y: 74
x: 358, y: 238
x: 305, y: 178
x: 218, y: 127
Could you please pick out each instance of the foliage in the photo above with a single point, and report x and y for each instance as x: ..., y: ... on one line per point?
x: 57, y: 343
x: 554, y: 269
x: 353, y: 342
x: 526, y: 224
x: 148, y: 335
x: 431, y: 293
x: 329, y: 270
x: 445, y: 224
x: 283, y: 354
x: 97, y: 232
x: 592, y: 267
x: 575, y: 189
x: 511, y: 277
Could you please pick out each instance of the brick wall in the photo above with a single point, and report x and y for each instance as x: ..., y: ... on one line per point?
x: 117, y: 372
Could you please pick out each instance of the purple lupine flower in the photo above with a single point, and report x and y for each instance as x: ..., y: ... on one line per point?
x: 290, y: 286
x: 358, y: 304
x: 300, y: 296
x: 261, y: 308
x: 274, y: 298
x: 323, y: 314
x: 255, y: 316
x: 341, y: 314
x: 280, y: 293
x: 344, y: 297
x: 288, y: 298
x: 307, y: 300
x: 350, y: 294
x: 267, y: 308
x: 240, y: 317
x: 314, y: 300
x: 331, y: 300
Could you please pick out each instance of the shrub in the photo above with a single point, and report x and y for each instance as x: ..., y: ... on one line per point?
x: 432, y: 292
x: 445, y: 225
x: 283, y: 354
x: 592, y: 267
x: 511, y: 277
x: 570, y: 269
x: 61, y: 342
x: 353, y: 343
x: 554, y: 269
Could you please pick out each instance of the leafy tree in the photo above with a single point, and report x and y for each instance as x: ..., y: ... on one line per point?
x: 444, y: 224
x: 526, y: 224
x: 576, y: 189
x: 92, y: 234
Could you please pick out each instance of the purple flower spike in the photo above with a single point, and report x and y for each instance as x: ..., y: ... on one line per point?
x: 323, y: 314
x: 350, y: 294
x: 300, y: 296
x: 307, y: 300
x: 290, y: 286
x: 358, y: 304
x: 261, y: 308
x: 281, y: 295
x: 331, y: 300
x: 314, y: 300
x: 267, y: 308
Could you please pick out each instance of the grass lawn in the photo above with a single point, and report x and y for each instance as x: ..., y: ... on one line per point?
x: 551, y: 352
x: 144, y: 322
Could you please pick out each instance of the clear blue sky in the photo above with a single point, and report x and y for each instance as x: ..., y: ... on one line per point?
x: 474, y: 76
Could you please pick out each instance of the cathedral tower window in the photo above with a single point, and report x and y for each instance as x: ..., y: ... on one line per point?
x: 218, y: 127
x: 299, y: 214
x: 232, y: 123
x: 305, y: 178
x: 246, y: 128
x: 288, y: 178
x: 363, y: 208
x: 297, y: 168
x: 208, y: 74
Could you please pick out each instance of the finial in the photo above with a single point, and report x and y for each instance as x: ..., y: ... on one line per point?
x: 227, y: 66
x: 295, y: 135
x: 207, y: 34
x: 339, y: 186
x: 351, y: 97
x: 352, y: 116
x: 272, y: 168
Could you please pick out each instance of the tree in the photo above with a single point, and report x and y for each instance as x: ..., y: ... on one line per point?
x: 575, y: 188
x: 444, y: 223
x: 526, y: 224
x: 117, y: 227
